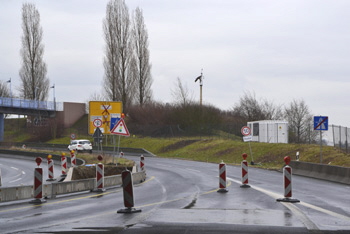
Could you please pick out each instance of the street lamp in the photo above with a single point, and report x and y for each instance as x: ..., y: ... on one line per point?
x: 36, y: 96
x: 9, y: 81
x: 54, y: 97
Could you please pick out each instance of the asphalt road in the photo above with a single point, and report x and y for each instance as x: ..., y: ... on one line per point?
x: 19, y: 170
x: 181, y: 197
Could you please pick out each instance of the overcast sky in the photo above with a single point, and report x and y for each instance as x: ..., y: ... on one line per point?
x: 279, y: 50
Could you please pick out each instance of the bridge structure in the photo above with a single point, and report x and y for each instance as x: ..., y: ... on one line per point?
x: 18, y: 106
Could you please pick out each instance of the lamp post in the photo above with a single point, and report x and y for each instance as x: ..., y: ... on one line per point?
x: 54, y: 97
x: 9, y: 81
x: 36, y: 99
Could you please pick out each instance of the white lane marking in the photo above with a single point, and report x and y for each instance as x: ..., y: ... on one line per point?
x: 320, y: 209
x: 190, y: 169
x: 15, y: 168
x: 302, y: 217
x: 12, y: 181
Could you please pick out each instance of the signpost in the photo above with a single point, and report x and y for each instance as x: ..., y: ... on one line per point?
x: 98, y: 137
x: 103, y: 115
x: 121, y: 130
x: 321, y: 124
x: 246, y: 132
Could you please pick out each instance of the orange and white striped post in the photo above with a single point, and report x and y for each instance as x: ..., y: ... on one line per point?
x: 287, y: 183
x: 64, y: 164
x: 142, y: 163
x: 38, y: 183
x: 222, y: 178
x: 100, y: 171
x: 50, y: 168
x: 244, y: 166
x: 128, y: 193
x: 73, y: 160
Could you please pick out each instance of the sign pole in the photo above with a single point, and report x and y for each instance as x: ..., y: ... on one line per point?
x: 118, y: 144
x: 321, y: 123
x: 251, y: 154
x: 113, y: 148
x: 321, y: 147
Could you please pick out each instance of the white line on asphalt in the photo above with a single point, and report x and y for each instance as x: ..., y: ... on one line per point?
x: 190, y: 169
x: 320, y: 209
x: 302, y: 217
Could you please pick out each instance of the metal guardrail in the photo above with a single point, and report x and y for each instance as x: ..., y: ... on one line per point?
x: 31, y: 104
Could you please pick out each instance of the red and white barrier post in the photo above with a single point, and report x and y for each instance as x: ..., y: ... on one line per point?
x: 244, y: 166
x: 38, y: 183
x: 128, y: 193
x: 100, y: 175
x: 64, y: 165
x: 222, y: 178
x: 142, y: 163
x: 50, y: 168
x: 287, y: 182
x: 73, y: 160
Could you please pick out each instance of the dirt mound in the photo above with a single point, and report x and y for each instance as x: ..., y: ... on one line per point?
x: 84, y: 172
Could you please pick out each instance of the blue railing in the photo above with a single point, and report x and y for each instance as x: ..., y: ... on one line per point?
x: 31, y: 104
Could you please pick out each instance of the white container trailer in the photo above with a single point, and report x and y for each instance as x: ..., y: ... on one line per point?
x: 269, y: 131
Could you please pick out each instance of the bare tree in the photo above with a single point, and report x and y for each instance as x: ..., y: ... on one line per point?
x: 181, y: 94
x: 250, y: 109
x: 4, y: 90
x: 118, y: 80
x: 299, y: 121
x: 35, y: 84
x: 143, y: 66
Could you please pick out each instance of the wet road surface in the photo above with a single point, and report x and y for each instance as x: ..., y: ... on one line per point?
x: 181, y: 196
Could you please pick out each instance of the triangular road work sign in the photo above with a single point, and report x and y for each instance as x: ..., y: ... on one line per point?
x: 120, y: 128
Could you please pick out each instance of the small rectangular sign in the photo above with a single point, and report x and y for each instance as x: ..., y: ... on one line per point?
x: 247, y: 138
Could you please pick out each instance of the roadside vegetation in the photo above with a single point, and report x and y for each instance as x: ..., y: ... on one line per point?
x: 200, y: 148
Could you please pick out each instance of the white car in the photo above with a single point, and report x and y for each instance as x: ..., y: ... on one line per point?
x: 80, y: 145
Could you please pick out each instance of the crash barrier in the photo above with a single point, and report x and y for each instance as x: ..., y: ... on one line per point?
x: 58, y: 188
x: 322, y: 171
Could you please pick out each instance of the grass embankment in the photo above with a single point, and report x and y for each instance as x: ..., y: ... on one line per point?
x: 211, y: 149
x: 265, y: 155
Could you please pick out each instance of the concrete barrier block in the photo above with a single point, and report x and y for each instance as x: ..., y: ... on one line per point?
x: 321, y: 171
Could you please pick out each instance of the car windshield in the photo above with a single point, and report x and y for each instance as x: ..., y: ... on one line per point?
x: 84, y: 142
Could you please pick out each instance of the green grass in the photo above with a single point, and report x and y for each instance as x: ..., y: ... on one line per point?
x: 209, y: 149
x: 266, y: 155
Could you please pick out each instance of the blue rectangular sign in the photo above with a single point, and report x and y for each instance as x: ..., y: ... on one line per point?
x: 321, y: 123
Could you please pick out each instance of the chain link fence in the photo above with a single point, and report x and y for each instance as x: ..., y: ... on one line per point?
x: 340, y: 136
